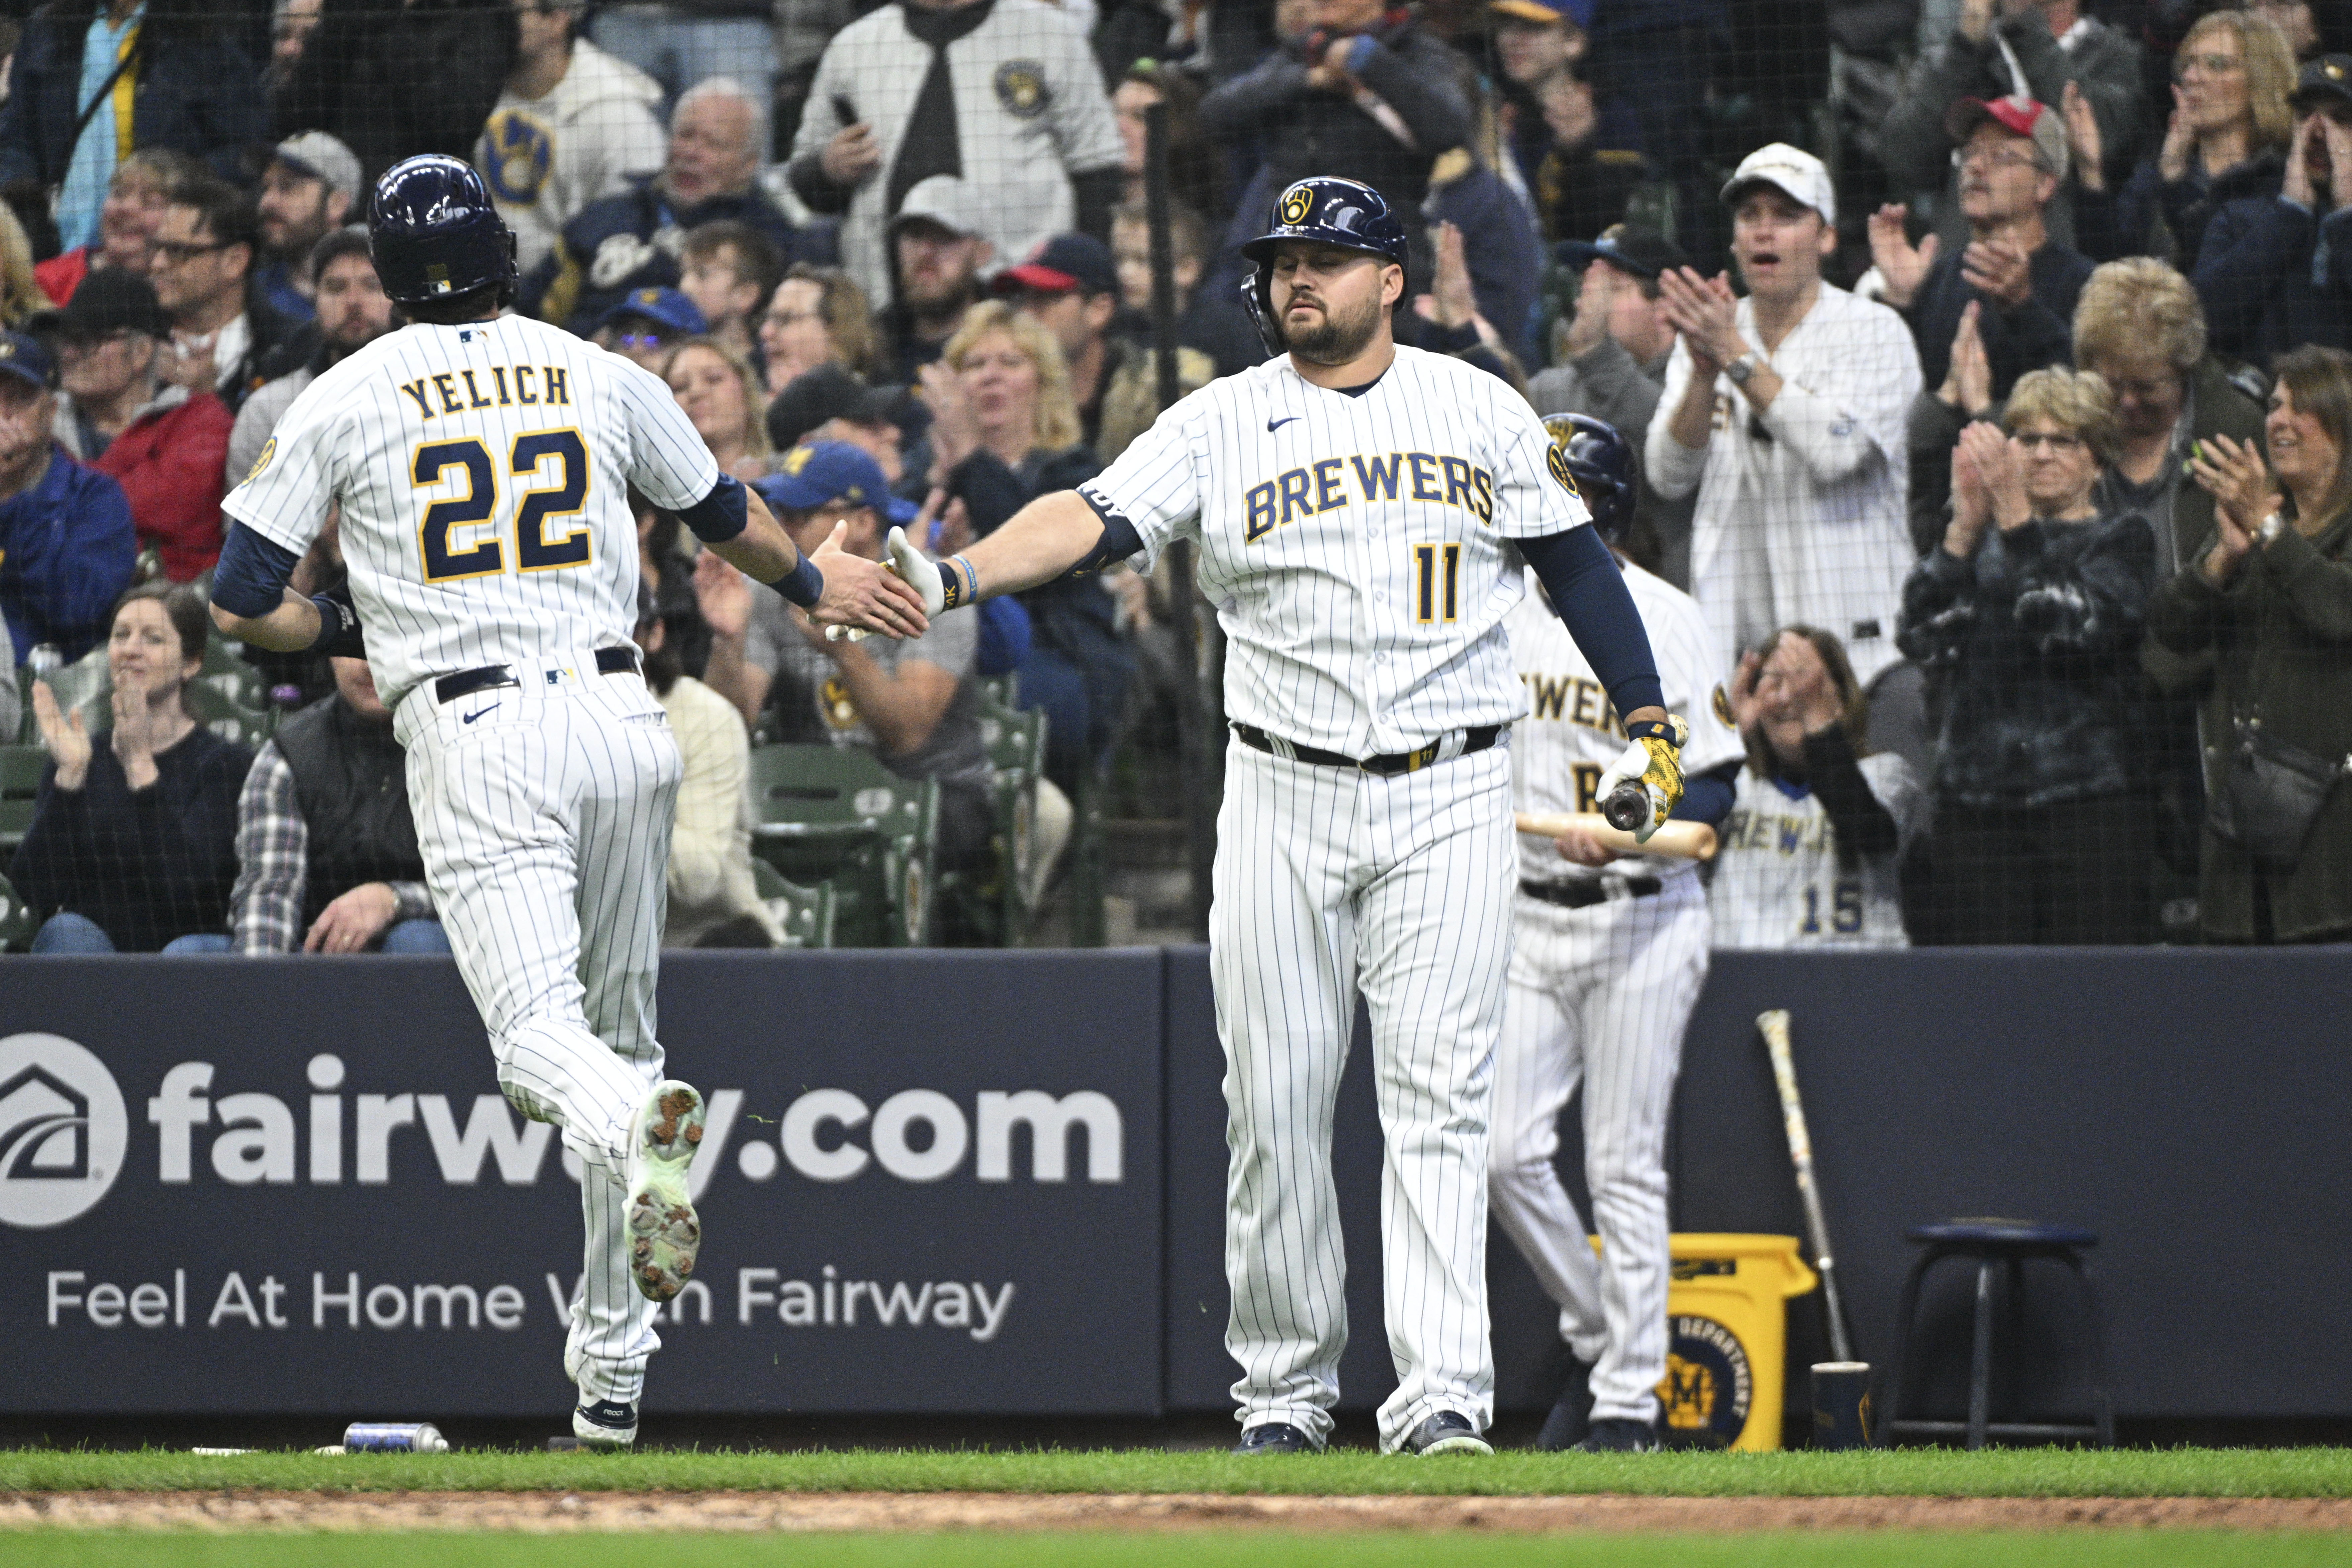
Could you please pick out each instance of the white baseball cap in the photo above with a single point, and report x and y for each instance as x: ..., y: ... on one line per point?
x: 957, y: 205
x: 1789, y: 168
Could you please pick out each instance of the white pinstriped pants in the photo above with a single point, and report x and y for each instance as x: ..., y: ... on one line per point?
x: 543, y: 812
x: 1601, y: 993
x: 1331, y: 881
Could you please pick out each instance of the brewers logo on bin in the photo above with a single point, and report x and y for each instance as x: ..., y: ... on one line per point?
x: 1727, y: 1338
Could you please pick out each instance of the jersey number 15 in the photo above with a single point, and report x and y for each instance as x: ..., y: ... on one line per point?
x: 533, y: 452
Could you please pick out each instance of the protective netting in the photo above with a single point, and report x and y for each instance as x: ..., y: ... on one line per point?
x: 1934, y: 330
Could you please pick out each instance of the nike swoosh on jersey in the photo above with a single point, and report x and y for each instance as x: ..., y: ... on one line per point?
x: 480, y: 711
x: 1273, y: 425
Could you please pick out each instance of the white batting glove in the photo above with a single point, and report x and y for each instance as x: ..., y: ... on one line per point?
x: 910, y: 565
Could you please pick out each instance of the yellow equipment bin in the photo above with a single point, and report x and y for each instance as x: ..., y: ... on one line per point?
x: 1727, y: 1338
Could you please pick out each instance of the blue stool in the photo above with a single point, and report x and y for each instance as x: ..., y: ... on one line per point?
x: 2008, y: 1244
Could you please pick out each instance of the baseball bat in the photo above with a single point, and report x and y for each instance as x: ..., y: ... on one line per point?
x: 1774, y: 1026
x: 1627, y: 805
x: 1677, y: 840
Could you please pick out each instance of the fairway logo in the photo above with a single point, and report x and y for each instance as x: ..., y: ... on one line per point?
x: 1708, y: 1385
x: 62, y: 1131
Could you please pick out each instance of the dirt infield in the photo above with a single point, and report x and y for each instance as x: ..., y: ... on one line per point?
x: 918, y: 1512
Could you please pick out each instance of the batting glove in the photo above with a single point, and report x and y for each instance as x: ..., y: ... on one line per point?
x: 1656, y: 759
x: 911, y: 565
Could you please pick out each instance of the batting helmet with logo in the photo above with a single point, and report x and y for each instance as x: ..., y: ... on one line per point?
x: 1590, y: 455
x: 436, y: 235
x: 1325, y: 210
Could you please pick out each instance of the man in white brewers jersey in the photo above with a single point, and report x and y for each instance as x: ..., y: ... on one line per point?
x: 1811, y: 853
x: 482, y: 465
x: 1610, y: 955
x: 1363, y: 513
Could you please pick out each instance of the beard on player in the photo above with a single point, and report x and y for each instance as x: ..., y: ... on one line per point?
x: 1339, y: 333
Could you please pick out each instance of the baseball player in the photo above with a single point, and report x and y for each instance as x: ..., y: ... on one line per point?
x: 1610, y: 955
x: 482, y: 464
x: 1811, y: 853
x: 1364, y: 512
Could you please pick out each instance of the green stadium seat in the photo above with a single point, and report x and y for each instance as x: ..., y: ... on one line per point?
x: 830, y: 815
x: 996, y: 907
x: 20, y: 784
x: 16, y: 923
x: 805, y: 913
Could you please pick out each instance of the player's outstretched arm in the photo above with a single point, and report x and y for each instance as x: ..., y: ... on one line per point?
x: 1043, y: 540
x: 837, y: 588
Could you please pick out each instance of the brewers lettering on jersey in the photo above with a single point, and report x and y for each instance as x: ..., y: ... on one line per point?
x: 482, y: 467
x: 1363, y: 511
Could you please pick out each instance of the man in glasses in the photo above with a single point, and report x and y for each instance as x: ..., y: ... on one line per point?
x: 648, y: 324
x: 1987, y: 312
x: 161, y: 442
x: 202, y: 267
x: 2026, y: 48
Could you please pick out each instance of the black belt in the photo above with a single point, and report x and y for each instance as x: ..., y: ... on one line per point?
x: 1584, y: 895
x: 465, y: 683
x: 1480, y: 737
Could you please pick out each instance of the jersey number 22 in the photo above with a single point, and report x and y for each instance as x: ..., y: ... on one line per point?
x: 534, y: 550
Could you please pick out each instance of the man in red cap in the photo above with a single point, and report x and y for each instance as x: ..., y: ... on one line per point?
x: 2011, y: 157
x: 1986, y: 313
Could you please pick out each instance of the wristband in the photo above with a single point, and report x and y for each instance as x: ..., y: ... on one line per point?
x: 339, y: 630
x: 1650, y: 728
x: 959, y: 583
x: 804, y: 584
x: 2270, y: 529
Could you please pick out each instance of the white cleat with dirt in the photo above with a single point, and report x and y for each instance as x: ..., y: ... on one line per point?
x: 665, y: 1234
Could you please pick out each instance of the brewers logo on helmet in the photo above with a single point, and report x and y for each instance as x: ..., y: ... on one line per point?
x: 1595, y: 462
x: 1328, y: 211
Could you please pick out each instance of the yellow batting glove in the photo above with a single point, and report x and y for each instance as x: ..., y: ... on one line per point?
x: 1664, y: 776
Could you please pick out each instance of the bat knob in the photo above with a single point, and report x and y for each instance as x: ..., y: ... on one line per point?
x: 1627, y: 807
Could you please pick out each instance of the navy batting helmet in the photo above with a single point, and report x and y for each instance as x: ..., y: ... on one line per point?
x: 1590, y: 454
x: 436, y: 235
x: 1328, y: 211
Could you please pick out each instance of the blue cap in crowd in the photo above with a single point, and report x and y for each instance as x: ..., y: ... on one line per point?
x: 663, y: 307
x: 822, y: 472
x: 27, y: 358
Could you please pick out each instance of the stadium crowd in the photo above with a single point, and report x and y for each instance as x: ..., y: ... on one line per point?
x: 2004, y: 437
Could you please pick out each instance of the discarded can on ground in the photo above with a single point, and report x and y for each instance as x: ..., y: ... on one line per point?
x: 395, y: 1437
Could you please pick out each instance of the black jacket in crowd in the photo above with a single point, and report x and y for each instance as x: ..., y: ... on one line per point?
x: 145, y: 866
x: 392, y: 81
x: 2036, y: 640
x: 350, y: 785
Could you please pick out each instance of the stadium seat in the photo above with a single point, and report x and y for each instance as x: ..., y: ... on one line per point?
x: 16, y: 923
x: 995, y: 908
x: 20, y: 784
x: 830, y: 815
x: 805, y: 913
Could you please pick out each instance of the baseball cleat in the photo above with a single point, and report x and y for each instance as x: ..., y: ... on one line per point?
x: 1613, y: 1435
x: 1276, y: 1437
x: 664, y: 1232
x: 1570, y: 1420
x: 605, y: 1424
x: 1446, y: 1431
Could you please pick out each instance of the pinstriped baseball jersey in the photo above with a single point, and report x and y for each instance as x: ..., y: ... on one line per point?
x: 1778, y: 881
x: 1571, y: 734
x: 1356, y: 546
x: 483, y: 472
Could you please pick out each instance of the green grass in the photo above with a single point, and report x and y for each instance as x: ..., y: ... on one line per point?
x: 2136, y: 1549
x: 2030, y: 1472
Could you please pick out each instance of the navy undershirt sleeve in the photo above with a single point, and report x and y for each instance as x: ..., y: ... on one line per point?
x: 1708, y: 796
x: 720, y: 515
x: 1588, y: 590
x: 251, y: 578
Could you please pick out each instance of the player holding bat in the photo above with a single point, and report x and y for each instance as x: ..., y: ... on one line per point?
x: 1608, y: 956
